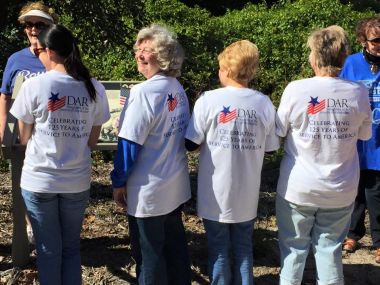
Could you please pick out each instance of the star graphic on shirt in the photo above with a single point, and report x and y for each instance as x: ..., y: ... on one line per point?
x: 54, y: 97
x: 226, y: 110
x: 314, y: 101
x: 170, y: 97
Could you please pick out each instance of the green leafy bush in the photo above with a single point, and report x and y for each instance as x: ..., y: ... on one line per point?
x: 106, y: 30
x: 280, y: 33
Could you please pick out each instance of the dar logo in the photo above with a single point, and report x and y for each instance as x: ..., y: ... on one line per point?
x: 56, y: 103
x: 314, y: 106
x: 172, y: 102
x: 226, y: 115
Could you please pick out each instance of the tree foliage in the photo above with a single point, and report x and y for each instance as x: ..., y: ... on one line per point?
x: 280, y: 33
x: 106, y: 31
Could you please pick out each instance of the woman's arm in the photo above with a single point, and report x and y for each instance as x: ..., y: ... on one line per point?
x: 94, y: 136
x: 124, y: 159
x: 25, y: 132
x: 5, y: 103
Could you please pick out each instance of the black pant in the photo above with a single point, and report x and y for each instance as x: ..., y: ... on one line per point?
x: 159, y: 248
x: 368, y: 197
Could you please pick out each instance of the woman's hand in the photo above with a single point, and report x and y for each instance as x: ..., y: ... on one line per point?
x: 120, y: 196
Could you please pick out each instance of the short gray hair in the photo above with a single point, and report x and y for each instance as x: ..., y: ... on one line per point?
x: 170, y: 54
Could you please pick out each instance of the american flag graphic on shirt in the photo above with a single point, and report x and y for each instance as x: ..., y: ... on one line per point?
x: 314, y: 106
x: 124, y: 95
x: 226, y: 115
x: 172, y: 102
x: 56, y: 103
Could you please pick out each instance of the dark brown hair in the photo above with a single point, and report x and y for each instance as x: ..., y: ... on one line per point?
x: 59, y: 39
x: 365, y: 25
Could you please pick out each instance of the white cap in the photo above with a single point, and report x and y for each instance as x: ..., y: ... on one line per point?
x: 36, y: 13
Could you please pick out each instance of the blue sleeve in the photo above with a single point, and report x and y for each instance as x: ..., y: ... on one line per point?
x: 6, y: 85
x: 125, y: 157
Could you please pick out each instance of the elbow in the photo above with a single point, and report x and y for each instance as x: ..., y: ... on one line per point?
x: 94, y: 136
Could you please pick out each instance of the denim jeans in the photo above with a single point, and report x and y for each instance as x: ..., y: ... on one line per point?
x: 159, y: 248
x: 368, y: 197
x: 57, y: 222
x: 230, y: 259
x: 324, y: 229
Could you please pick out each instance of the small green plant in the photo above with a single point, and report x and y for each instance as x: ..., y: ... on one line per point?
x: 4, y: 165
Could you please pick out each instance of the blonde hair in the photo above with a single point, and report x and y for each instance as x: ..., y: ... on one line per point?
x: 329, y: 48
x: 39, y: 5
x: 168, y: 50
x: 240, y: 59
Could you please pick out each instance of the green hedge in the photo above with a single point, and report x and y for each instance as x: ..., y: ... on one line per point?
x: 107, y: 28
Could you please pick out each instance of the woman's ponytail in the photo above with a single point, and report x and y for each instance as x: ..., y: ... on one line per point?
x: 59, y: 39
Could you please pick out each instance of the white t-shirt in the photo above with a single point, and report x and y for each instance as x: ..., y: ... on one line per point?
x: 234, y: 127
x: 322, y: 119
x: 58, y: 158
x: 156, y: 118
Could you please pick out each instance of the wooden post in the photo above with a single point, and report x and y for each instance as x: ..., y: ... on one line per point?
x: 20, y: 244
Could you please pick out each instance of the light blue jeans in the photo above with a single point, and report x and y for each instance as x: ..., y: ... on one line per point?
x: 322, y: 228
x: 230, y: 259
x: 57, y: 222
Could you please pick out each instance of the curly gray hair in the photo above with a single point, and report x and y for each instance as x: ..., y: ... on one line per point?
x: 170, y: 54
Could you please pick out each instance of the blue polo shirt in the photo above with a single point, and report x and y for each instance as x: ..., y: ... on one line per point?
x: 24, y: 63
x: 357, y: 68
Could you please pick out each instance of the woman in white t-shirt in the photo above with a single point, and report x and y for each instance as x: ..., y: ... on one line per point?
x: 60, y: 114
x: 150, y: 176
x: 322, y: 118
x: 233, y: 126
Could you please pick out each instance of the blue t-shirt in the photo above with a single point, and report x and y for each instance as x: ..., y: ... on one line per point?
x: 357, y: 68
x: 23, y: 62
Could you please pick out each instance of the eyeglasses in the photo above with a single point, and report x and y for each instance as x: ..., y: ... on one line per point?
x: 143, y: 50
x: 374, y: 41
x: 37, y: 51
x: 37, y: 25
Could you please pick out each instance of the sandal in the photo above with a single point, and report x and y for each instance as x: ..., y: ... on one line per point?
x: 350, y: 245
x: 377, y: 255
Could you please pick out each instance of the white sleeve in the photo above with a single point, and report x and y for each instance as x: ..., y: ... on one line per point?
x: 102, y: 112
x: 22, y: 108
x: 365, y: 130
x: 283, y: 113
x: 137, y: 119
x: 272, y: 142
x: 196, y: 128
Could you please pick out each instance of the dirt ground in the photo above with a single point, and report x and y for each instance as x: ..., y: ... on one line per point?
x: 106, y: 254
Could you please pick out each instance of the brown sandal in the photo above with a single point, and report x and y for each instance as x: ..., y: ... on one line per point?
x: 377, y: 255
x: 350, y: 245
